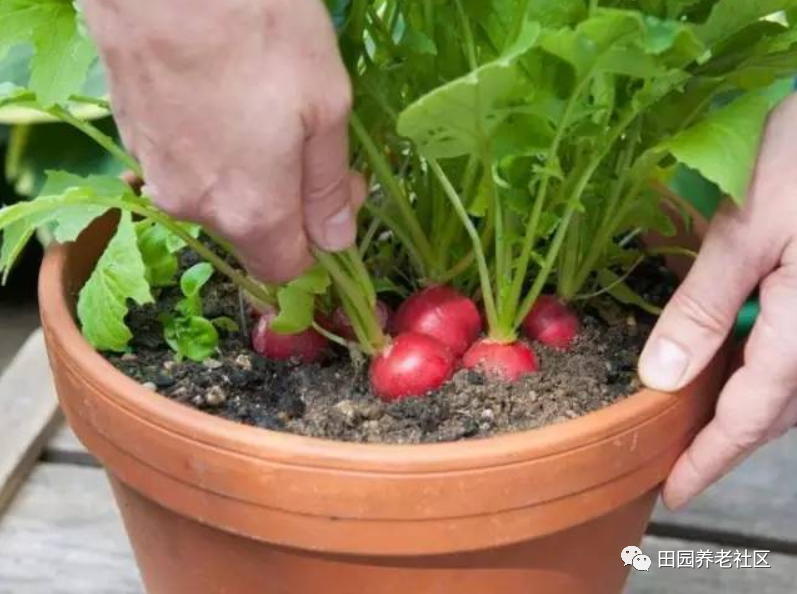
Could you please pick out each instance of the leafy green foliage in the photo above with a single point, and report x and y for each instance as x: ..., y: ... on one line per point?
x: 615, y: 286
x: 724, y: 146
x: 604, y: 98
x: 160, y: 248
x: 187, y: 331
x: 297, y: 301
x: 118, y: 278
x: 63, y: 53
x: 66, y: 205
x: 463, y: 116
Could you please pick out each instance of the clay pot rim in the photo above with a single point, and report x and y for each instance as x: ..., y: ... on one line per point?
x: 296, y: 450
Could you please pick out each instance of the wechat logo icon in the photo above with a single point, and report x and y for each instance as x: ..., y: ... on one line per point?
x: 636, y: 558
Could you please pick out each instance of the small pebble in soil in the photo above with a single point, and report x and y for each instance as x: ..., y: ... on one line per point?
x: 215, y: 396
x: 346, y: 409
x: 164, y: 380
x: 211, y: 363
x: 244, y: 362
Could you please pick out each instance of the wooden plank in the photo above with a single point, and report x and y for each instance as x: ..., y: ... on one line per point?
x: 758, y: 500
x: 65, y: 440
x: 780, y: 578
x: 17, y: 321
x: 62, y: 534
x: 28, y: 414
x: 65, y: 447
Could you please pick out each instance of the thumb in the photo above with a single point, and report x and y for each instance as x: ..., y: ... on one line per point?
x: 329, y: 211
x: 703, y: 310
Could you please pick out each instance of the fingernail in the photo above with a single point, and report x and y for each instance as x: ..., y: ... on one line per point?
x: 339, y: 229
x: 663, y: 365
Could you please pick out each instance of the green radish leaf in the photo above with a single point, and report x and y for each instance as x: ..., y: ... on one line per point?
x: 296, y: 310
x: 159, y: 248
x: 161, y: 263
x: 174, y: 243
x: 723, y: 147
x: 728, y: 17
x: 191, y: 284
x: 195, y: 278
x: 119, y: 276
x: 481, y: 201
x: 461, y: 117
x: 226, y: 323
x: 64, y: 207
x: 315, y: 281
x: 63, y: 53
x: 15, y: 66
x: 15, y: 237
x: 193, y: 337
x: 15, y: 69
x: 562, y: 13
x: 625, y: 43
x: 68, y: 226
x: 418, y: 42
x: 620, y: 290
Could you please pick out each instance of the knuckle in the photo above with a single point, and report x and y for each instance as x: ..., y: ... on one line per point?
x: 706, y: 317
x: 777, y: 432
x: 744, y: 434
x: 238, y: 226
x: 179, y: 207
x: 332, y: 192
x: 333, y: 107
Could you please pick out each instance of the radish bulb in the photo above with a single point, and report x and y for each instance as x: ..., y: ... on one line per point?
x: 411, y: 366
x: 342, y: 326
x: 307, y: 346
x: 504, y: 362
x: 551, y: 323
x: 442, y: 313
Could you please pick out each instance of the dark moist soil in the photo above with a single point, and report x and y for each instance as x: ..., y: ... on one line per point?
x: 332, y: 400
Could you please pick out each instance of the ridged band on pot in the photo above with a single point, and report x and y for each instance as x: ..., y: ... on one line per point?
x: 343, y: 498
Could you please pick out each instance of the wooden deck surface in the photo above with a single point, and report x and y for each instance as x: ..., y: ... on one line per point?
x: 61, y: 534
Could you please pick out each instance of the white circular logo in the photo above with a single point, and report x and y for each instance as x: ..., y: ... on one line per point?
x: 629, y: 553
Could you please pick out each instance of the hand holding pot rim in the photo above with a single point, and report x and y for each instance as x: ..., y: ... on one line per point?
x: 238, y: 113
x: 755, y: 245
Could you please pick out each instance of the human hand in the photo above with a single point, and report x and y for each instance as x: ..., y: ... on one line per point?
x: 238, y: 112
x: 743, y: 247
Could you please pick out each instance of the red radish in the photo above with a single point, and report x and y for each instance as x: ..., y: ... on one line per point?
x: 442, y: 313
x: 412, y: 365
x: 506, y: 362
x: 552, y: 323
x: 307, y: 346
x: 341, y: 324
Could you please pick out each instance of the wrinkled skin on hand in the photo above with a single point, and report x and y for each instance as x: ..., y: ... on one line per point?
x: 743, y: 247
x: 238, y: 112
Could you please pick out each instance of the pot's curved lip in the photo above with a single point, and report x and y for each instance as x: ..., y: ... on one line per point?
x: 191, y: 424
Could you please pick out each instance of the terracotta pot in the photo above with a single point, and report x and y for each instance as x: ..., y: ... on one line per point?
x: 212, y: 506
